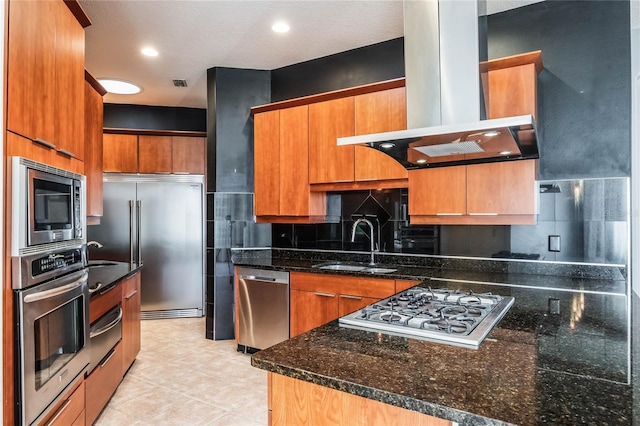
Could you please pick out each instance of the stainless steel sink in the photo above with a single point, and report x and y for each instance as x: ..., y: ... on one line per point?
x: 343, y: 267
x: 351, y: 267
x: 96, y: 263
x: 376, y: 270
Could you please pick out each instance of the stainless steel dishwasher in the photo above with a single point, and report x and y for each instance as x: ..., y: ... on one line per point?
x: 264, y: 307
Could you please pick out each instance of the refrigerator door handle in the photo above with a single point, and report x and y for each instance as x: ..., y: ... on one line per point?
x: 139, y: 203
x: 131, y: 229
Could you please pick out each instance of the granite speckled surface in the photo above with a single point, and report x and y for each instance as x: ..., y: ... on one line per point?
x: 105, y: 274
x: 535, y: 367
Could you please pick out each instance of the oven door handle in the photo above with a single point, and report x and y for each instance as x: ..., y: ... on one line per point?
x: 47, y: 294
x: 107, y: 327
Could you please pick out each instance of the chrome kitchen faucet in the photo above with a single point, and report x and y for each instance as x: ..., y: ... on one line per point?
x: 373, y: 244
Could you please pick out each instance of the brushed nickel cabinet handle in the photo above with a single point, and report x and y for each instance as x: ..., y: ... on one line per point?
x: 130, y: 295
x: 448, y: 214
x: 103, y: 363
x: 324, y: 294
x: 66, y: 153
x: 483, y: 214
x: 346, y: 296
x: 44, y: 143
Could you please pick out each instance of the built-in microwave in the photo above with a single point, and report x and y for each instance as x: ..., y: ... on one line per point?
x: 48, y: 206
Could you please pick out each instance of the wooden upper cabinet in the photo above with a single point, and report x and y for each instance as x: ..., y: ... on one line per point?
x: 188, y: 155
x: 506, y: 188
x: 438, y: 192
x: 266, y: 165
x: 154, y: 154
x: 281, y: 168
x: 93, y: 117
x: 329, y: 120
x: 69, y: 89
x: 379, y: 112
x: 30, y: 69
x: 120, y: 153
x: 45, y: 80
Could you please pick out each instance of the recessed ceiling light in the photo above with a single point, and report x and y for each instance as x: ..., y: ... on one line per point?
x: 119, y: 87
x: 387, y: 145
x: 280, y: 27
x: 491, y: 133
x: 149, y: 51
x: 505, y: 152
x: 421, y: 161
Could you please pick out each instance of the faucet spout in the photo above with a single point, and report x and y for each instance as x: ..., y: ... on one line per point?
x: 353, y: 236
x: 94, y: 244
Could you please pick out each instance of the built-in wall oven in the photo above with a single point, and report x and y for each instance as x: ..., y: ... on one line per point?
x: 52, y: 325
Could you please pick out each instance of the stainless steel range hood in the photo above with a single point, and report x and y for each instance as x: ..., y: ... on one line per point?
x: 443, y: 86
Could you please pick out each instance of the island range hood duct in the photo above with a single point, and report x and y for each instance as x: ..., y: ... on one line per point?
x: 444, y: 95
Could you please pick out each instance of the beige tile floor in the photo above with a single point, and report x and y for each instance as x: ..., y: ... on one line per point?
x: 182, y: 379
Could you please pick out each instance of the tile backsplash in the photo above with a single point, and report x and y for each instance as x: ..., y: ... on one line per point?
x: 590, y: 217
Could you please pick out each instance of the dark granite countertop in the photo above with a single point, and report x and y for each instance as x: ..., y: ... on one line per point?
x: 535, y: 367
x: 104, y: 274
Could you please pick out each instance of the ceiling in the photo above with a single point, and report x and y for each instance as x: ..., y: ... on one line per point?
x: 195, y: 35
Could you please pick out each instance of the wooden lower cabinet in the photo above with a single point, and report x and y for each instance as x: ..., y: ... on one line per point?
x: 316, y: 299
x: 310, y: 309
x: 102, y: 383
x: 130, y: 321
x: 70, y: 409
x: 294, y: 402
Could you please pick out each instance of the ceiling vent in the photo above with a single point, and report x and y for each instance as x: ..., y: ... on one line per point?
x: 180, y: 83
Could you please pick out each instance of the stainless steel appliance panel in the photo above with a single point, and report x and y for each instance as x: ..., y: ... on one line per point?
x: 157, y: 221
x: 171, y: 241
x: 54, y: 346
x: 264, y: 307
x: 117, y: 223
x: 104, y: 333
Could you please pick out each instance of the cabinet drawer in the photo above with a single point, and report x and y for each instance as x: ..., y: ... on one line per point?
x: 102, y: 383
x: 101, y: 304
x: 340, y: 284
x: 69, y: 409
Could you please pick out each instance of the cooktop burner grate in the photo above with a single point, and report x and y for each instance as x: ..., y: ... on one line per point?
x: 451, y: 316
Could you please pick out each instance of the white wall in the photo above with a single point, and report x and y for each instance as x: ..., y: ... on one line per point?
x: 635, y: 145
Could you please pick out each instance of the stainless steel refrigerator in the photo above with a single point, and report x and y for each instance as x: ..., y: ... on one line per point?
x: 156, y: 220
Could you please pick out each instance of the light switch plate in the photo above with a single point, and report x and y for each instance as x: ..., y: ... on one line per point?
x: 554, y: 243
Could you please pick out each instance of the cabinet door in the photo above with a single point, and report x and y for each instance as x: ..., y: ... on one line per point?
x: 329, y: 120
x: 506, y: 188
x: 31, y: 69
x: 266, y: 165
x: 130, y: 321
x: 154, y: 154
x: 379, y: 112
x: 93, y: 150
x: 102, y: 383
x: 294, y: 161
x: 438, y: 192
x: 188, y: 155
x: 120, y: 153
x: 70, y: 409
x: 310, y: 309
x: 69, y: 88
x: 350, y: 303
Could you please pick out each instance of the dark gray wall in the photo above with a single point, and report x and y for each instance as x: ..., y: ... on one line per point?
x: 231, y: 94
x: 585, y: 89
x: 369, y: 64
x: 125, y: 116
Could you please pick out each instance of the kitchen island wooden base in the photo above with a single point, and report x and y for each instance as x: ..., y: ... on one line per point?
x: 293, y: 401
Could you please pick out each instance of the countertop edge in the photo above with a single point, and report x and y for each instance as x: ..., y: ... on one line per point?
x: 401, y: 401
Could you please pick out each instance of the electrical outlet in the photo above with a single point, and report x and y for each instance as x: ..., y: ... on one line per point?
x: 554, y: 243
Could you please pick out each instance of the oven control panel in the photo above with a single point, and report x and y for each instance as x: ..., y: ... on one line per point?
x: 53, y: 261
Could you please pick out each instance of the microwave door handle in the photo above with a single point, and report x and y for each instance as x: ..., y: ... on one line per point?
x: 131, y: 231
x: 47, y: 294
x: 139, y: 202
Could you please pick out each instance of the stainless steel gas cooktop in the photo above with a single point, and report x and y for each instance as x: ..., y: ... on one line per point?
x: 442, y: 315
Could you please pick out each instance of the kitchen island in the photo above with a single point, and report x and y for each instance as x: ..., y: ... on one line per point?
x: 561, y: 355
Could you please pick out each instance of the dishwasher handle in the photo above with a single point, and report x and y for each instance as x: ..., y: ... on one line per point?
x: 257, y: 278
